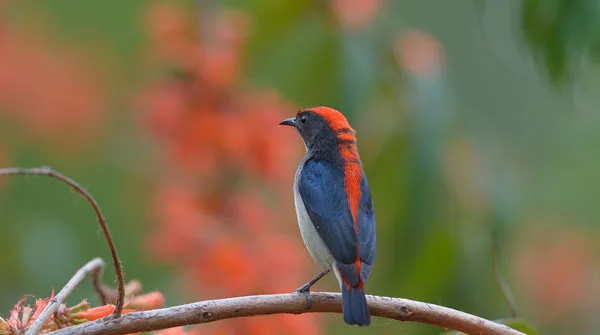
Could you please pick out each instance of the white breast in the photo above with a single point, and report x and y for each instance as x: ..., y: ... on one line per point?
x: 317, y: 249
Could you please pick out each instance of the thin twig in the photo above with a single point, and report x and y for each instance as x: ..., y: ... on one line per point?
x: 93, y: 265
x: 510, y: 298
x: 99, y: 287
x: 46, y: 171
x: 291, y: 303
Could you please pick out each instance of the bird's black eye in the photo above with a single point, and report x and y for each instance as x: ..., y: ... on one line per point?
x: 303, y: 119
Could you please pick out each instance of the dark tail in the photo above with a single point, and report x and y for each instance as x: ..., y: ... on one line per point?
x: 354, y: 306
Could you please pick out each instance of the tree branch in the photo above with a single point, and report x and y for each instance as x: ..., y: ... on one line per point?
x: 98, y: 286
x: 292, y: 303
x: 46, y: 171
x: 92, y: 266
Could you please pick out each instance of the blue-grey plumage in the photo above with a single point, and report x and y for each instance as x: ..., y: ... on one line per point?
x: 314, y: 243
x: 328, y: 183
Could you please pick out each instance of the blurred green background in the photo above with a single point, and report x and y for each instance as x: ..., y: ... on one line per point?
x: 473, y: 117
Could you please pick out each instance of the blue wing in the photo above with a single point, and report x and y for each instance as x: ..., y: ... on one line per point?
x: 321, y: 187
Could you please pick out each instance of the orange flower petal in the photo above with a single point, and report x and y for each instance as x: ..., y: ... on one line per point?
x: 96, y: 313
x: 150, y: 300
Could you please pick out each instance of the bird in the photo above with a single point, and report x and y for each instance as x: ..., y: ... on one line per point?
x: 334, y: 207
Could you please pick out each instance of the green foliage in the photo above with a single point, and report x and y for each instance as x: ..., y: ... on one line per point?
x: 562, y: 33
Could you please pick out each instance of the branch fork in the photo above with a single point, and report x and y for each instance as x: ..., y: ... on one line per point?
x: 214, y: 310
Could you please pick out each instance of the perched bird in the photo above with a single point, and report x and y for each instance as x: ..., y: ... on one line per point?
x: 334, y: 209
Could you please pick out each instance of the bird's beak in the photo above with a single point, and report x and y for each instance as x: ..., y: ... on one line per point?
x: 288, y: 122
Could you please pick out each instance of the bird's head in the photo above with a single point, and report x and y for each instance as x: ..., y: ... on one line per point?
x: 321, y: 128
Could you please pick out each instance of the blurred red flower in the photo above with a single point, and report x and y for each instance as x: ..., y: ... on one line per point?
x: 211, y: 135
x: 150, y: 300
x: 557, y: 269
x: 51, y: 93
x: 419, y: 53
x: 177, y: 207
x: 355, y: 14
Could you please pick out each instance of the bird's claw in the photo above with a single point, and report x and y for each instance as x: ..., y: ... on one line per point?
x: 305, y: 289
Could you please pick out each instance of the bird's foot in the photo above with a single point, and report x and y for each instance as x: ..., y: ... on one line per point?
x: 305, y: 289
